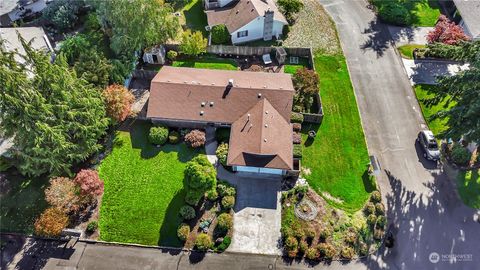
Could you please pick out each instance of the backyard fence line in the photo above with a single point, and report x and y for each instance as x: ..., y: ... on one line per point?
x: 142, y: 74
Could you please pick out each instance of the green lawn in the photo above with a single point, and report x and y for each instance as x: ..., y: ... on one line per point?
x: 424, y: 94
x: 208, y: 63
x: 195, y: 17
x: 22, y: 204
x: 407, y: 50
x: 292, y: 68
x: 469, y: 188
x: 425, y: 12
x: 338, y: 156
x: 143, y: 190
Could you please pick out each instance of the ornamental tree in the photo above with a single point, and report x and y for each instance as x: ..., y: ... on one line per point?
x: 118, y: 102
x: 89, y: 183
x: 305, y: 82
x: 447, y: 32
x: 193, y: 43
x: 51, y: 222
x: 200, y: 177
x: 63, y: 194
x: 290, y: 7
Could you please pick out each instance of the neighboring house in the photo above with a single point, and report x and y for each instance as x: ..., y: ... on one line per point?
x: 255, y: 105
x: 247, y: 20
x: 467, y: 15
x: 35, y: 34
x: 10, y: 11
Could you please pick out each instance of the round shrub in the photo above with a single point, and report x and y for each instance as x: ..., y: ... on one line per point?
x: 92, y: 226
x: 291, y: 243
x: 310, y: 233
x: 297, y: 127
x: 327, y: 250
x: 303, y: 246
x: 381, y: 221
x: 296, y: 138
x: 286, y: 232
x: 173, y: 137
x: 460, y: 155
x: 348, y: 253
x: 222, y: 153
x: 292, y: 253
x: 187, y: 212
x: 224, y: 190
x: 380, y: 209
x: 195, y: 138
x: 158, y: 135
x: 203, y: 242
x: 312, y: 254
x: 224, y: 222
x: 225, y: 244
x: 220, y: 34
x: 378, y: 234
x: 172, y: 55
x: 375, y: 196
x: 350, y: 237
x: 362, y: 248
x: 369, y: 208
x: 395, y: 13
x: 212, y: 195
x: 324, y: 234
x: 296, y: 118
x: 183, y: 231
x: 371, y: 219
x: 297, y: 231
x: 228, y: 202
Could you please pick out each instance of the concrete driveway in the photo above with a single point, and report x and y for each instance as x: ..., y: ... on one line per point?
x: 427, y: 71
x: 257, y: 215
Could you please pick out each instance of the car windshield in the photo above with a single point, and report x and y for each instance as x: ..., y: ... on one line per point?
x: 432, y: 145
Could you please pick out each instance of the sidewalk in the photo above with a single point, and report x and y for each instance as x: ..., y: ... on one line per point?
x: 409, y: 35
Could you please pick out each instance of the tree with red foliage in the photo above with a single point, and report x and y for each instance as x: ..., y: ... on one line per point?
x: 89, y: 182
x: 446, y: 32
x: 118, y: 102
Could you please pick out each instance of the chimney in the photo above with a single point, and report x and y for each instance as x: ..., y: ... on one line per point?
x: 230, y: 82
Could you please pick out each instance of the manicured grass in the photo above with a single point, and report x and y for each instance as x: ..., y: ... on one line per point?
x: 425, y: 12
x: 143, y: 190
x: 407, y: 50
x: 195, y: 17
x: 424, y: 95
x: 22, y: 201
x: 469, y: 187
x: 292, y: 68
x: 208, y: 63
x: 337, y: 158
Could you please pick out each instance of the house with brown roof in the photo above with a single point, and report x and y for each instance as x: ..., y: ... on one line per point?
x: 246, y: 20
x: 255, y: 105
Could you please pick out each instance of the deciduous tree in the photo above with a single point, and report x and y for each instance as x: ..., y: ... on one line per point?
x: 447, y: 32
x: 305, y: 82
x: 119, y: 102
x: 193, y: 43
x: 51, y: 222
x: 89, y: 183
x: 63, y: 194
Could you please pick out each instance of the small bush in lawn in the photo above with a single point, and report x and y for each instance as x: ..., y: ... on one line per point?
x: 380, y: 209
x: 460, y: 155
x: 310, y: 233
x: 158, y: 135
x: 195, y: 138
x: 203, y: 242
x: 212, y: 195
x: 92, y: 226
x: 327, y: 250
x: 220, y: 34
x: 348, y: 253
x: 297, y: 127
x: 296, y: 118
x: 324, y: 234
x: 303, y: 246
x: 312, y: 253
x: 222, y: 153
x: 375, y: 196
x: 371, y: 219
x: 173, y: 137
x: 187, y: 212
x: 183, y: 231
x: 225, y: 244
x: 228, y: 202
x: 224, y: 222
x: 172, y: 55
x: 381, y: 221
x: 297, y: 151
x: 296, y: 138
x: 291, y: 243
x: 369, y: 208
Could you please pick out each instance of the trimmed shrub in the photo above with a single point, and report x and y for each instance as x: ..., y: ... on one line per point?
x: 369, y: 208
x: 291, y: 243
x: 228, y: 202
x: 224, y: 222
x: 381, y: 221
x: 296, y: 127
x: 296, y: 138
x: 375, y: 196
x: 310, y: 233
x: 89, y: 182
x: 297, y: 151
x: 212, y: 195
x: 394, y: 13
x: 184, y: 131
x: 222, y: 135
x: 292, y: 253
x: 220, y: 34
x: 380, y: 209
x: 222, y: 153
x: 173, y: 137
x: 225, y: 244
x: 303, y: 246
x: 224, y: 190
x: 51, y: 222
x: 199, y: 177
x: 371, y: 219
x: 172, y: 55
x: 350, y: 237
x: 92, y: 226
x: 324, y: 234
x: 378, y: 234
x: 187, y: 212
x: 297, y: 231
x: 348, y: 253
x: 195, y: 138
x: 312, y: 253
x: 460, y: 155
x: 362, y: 249
x: 296, y: 118
x: 158, y: 135
x: 327, y: 250
x: 183, y: 231
x: 203, y: 242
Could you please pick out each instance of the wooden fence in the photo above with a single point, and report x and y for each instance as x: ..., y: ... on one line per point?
x: 142, y: 74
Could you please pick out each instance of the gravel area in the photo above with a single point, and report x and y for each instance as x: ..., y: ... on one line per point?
x: 314, y: 28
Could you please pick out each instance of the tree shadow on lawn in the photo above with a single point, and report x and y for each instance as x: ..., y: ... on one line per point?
x: 171, y: 220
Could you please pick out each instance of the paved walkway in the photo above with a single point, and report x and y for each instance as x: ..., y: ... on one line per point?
x: 409, y: 35
x: 427, y: 71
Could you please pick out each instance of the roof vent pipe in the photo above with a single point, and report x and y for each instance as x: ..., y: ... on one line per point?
x: 230, y: 82
x: 248, y: 117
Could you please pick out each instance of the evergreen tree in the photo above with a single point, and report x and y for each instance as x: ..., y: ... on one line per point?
x: 54, y: 117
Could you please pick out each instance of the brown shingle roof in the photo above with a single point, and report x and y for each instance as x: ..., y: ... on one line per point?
x: 240, y: 13
x: 261, y: 138
x: 178, y: 93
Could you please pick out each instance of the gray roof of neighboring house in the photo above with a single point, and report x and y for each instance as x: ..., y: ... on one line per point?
x: 36, y: 34
x: 7, y: 6
x: 470, y: 12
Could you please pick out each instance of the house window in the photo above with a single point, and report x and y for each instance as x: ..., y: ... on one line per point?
x: 242, y: 34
